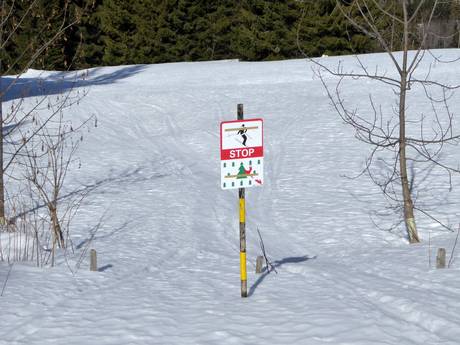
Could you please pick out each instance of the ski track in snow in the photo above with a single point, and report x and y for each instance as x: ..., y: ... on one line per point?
x: 168, y: 239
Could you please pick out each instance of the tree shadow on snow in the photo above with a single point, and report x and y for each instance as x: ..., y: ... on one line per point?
x: 92, y: 234
x: 127, y: 176
x: 104, y: 268
x: 60, y: 82
x: 276, y: 264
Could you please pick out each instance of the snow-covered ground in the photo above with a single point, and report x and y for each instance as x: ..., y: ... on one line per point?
x: 168, y: 245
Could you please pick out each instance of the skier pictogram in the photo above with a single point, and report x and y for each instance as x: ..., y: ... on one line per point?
x: 243, y: 173
x: 242, y: 132
x: 241, y: 135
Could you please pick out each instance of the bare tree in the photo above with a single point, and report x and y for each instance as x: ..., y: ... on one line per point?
x: 48, y: 157
x: 399, y: 138
x: 11, y: 146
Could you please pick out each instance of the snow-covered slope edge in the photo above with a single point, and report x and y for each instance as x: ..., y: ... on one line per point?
x: 169, y: 236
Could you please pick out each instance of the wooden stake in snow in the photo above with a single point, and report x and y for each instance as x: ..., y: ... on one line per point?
x: 441, y: 258
x: 259, y: 264
x: 93, y: 260
x: 429, y: 250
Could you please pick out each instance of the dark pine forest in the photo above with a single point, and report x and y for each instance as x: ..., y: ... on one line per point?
x: 118, y: 32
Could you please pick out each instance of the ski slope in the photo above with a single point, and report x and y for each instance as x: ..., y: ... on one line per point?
x: 167, y: 243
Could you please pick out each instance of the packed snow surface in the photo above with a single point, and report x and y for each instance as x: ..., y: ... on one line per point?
x: 167, y: 236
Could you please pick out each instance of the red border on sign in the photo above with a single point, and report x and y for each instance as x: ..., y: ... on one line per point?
x: 259, y: 150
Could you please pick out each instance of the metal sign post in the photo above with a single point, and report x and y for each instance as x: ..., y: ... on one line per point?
x: 241, y: 154
x: 242, y: 201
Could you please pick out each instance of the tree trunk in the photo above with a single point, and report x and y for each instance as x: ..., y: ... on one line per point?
x: 409, y: 218
x: 2, y: 185
x: 56, y: 226
x: 407, y: 199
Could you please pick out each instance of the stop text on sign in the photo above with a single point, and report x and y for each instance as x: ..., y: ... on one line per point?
x: 251, y: 152
x: 241, y: 153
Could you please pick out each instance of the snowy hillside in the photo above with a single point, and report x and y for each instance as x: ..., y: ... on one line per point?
x: 168, y: 245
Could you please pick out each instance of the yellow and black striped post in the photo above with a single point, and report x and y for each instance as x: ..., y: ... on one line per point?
x: 242, y: 209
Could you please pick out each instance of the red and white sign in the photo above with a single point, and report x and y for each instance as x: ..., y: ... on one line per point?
x: 241, y: 153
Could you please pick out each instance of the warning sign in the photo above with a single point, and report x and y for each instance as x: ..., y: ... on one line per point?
x: 241, y: 153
